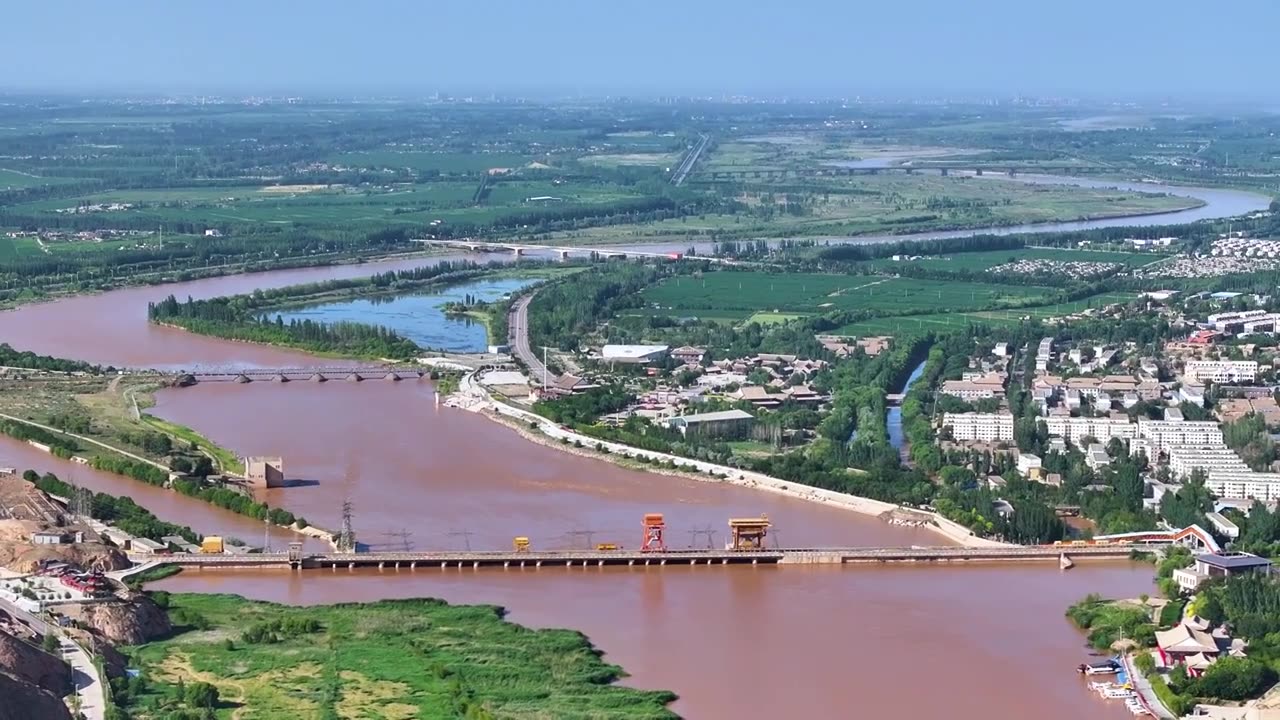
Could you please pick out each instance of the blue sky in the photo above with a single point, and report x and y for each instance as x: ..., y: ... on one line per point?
x: 1179, y: 48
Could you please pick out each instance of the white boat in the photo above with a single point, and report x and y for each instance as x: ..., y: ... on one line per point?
x: 1116, y: 693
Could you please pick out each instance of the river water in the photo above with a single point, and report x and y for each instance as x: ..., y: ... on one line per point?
x: 931, y: 642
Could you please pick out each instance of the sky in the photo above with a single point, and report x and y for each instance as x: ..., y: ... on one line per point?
x: 833, y: 48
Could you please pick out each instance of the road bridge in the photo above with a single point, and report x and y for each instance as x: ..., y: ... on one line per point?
x: 723, y: 174
x: 313, y: 374
x: 660, y: 558
x: 564, y: 252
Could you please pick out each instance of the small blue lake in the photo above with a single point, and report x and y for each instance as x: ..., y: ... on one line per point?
x: 420, y: 318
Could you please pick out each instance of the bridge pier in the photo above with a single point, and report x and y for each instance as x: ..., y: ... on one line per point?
x: 517, y: 251
x: 475, y: 565
x: 381, y: 565
x: 539, y: 564
x: 630, y: 563
x: 444, y: 565
x: 506, y: 564
x: 564, y: 254
x: 599, y: 563
x: 413, y: 565
x: 351, y: 566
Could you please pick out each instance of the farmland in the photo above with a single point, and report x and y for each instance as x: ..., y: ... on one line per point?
x: 908, y: 324
x: 979, y: 261
x: 741, y: 294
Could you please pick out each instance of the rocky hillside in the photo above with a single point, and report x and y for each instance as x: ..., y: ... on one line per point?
x: 131, y: 621
x: 23, y: 701
x: 29, y: 664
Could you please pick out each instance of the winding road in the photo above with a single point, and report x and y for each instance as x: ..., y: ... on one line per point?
x: 518, y: 336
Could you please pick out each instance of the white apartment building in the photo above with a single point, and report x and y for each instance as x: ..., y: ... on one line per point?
x: 1163, y: 434
x: 1247, y: 484
x: 975, y: 386
x: 1220, y: 321
x: 1076, y: 429
x: 1221, y: 371
x: 1186, y: 459
x: 1044, y: 354
x: 984, y: 427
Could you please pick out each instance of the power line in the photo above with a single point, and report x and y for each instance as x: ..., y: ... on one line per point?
x: 708, y: 532
x: 588, y: 534
x: 465, y: 535
x: 403, y: 535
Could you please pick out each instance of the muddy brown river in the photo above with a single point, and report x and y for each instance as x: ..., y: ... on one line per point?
x: 964, y: 642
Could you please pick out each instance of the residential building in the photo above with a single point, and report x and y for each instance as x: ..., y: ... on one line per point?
x: 760, y: 397
x: 1000, y: 350
x: 1191, y: 393
x: 724, y: 424
x: 689, y: 355
x: 1232, y: 409
x: 633, y: 354
x: 983, y: 427
x: 989, y: 385
x: 1225, y: 527
x: 1075, y: 430
x: 1186, y: 459
x: 1030, y: 465
x: 1044, y: 353
x: 1236, y: 483
x: 1220, y: 371
x: 1219, y: 565
x: 1165, y: 433
x: 1096, y: 456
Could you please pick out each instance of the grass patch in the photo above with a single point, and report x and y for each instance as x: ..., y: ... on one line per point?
x: 228, y: 461
x: 390, y: 659
x: 905, y: 325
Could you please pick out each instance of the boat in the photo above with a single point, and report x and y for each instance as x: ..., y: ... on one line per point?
x: 1108, y: 667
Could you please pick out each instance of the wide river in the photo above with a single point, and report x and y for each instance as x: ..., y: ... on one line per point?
x: 987, y: 641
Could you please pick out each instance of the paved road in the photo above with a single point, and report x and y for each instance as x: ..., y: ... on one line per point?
x: 82, y: 438
x: 93, y: 701
x: 689, y: 161
x: 518, y: 335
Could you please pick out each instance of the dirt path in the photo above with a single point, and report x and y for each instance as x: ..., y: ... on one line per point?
x: 177, y: 665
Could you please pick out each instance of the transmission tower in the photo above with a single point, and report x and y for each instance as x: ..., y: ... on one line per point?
x: 347, y: 535
x: 707, y: 532
x: 465, y: 535
x: 403, y: 536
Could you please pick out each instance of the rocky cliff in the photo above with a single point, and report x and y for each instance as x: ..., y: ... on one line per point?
x: 129, y: 621
x: 24, y: 701
x: 29, y: 664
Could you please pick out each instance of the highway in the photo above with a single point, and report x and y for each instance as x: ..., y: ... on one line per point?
x: 686, y: 165
x: 88, y: 684
x: 518, y: 336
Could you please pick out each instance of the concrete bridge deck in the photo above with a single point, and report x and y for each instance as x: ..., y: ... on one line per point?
x: 588, y: 558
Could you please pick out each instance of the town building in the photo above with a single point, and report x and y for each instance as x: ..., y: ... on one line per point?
x: 1075, y: 430
x: 1220, y: 371
x: 264, y: 472
x: 1096, y: 457
x: 1219, y: 565
x: 1030, y: 466
x: 982, y: 427
x: 1184, y: 460
x: 979, y: 387
x: 1044, y: 354
x: 1236, y: 483
x: 760, y: 397
x: 722, y: 424
x: 689, y: 355
x: 1162, y: 434
x: 633, y: 354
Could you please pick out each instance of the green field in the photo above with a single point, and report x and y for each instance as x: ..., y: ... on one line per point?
x: 978, y: 261
x: 908, y: 324
x: 795, y: 294
x: 447, y: 163
x: 15, y: 179
x: 383, y: 205
x: 388, y: 660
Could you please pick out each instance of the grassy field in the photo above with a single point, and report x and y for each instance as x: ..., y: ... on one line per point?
x: 384, y: 205
x: 908, y: 324
x: 890, y: 204
x: 444, y: 162
x: 391, y: 660
x: 977, y: 261
x: 15, y: 179
x: 780, y: 297
x: 226, y: 461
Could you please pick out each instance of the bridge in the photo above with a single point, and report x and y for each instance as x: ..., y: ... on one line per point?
x: 562, y: 251
x: 316, y: 374
x: 727, y: 174
x: 295, y: 559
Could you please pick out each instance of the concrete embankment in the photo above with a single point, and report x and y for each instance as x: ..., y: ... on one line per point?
x: 471, y: 397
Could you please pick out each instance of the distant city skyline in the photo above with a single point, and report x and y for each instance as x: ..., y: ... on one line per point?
x: 1178, y: 49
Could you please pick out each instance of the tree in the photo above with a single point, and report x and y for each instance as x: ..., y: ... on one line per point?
x: 200, y: 695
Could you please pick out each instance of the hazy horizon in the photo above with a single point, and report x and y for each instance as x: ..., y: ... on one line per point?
x: 816, y: 48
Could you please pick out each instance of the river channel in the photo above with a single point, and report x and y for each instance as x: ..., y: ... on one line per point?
x: 984, y: 641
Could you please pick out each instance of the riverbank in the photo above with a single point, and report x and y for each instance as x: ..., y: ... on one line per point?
x: 392, y: 658
x: 551, y: 435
